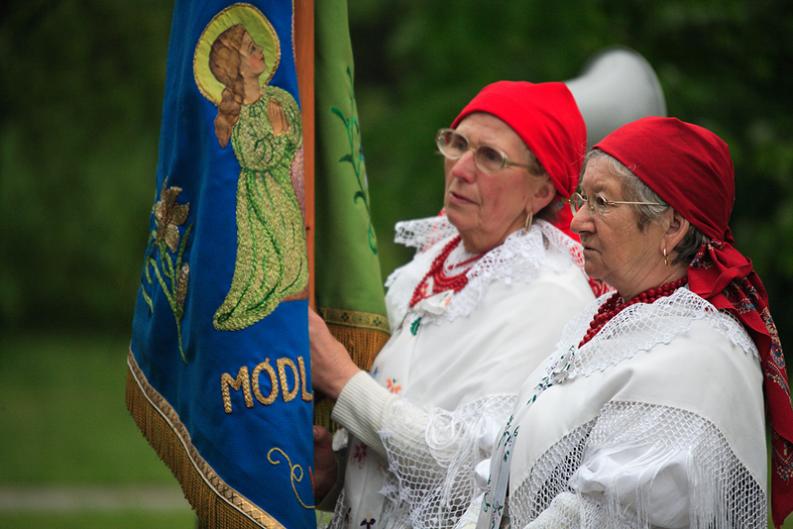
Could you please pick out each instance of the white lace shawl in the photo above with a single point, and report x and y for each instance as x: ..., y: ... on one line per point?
x: 629, y: 465
x: 432, y: 455
x: 520, y: 258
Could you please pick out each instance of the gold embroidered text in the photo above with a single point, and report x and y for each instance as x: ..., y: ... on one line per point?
x: 266, y: 383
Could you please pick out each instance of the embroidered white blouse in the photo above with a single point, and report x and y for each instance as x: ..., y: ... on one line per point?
x: 658, y: 421
x: 441, y: 388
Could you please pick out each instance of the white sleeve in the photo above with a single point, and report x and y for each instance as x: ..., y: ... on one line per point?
x: 650, y: 480
x: 361, y: 407
x: 431, y: 452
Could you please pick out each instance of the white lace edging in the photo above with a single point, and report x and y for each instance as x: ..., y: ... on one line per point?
x: 642, y: 326
x: 520, y: 259
x: 431, y: 458
x: 422, y: 234
x: 720, y: 491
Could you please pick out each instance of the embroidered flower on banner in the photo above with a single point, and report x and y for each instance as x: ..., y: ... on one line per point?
x: 168, y: 216
x: 164, y: 263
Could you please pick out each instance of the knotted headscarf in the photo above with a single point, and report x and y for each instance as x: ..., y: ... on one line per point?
x: 547, y: 119
x: 690, y: 168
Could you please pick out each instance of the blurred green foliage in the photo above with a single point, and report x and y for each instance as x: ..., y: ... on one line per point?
x: 724, y: 65
x: 81, y: 91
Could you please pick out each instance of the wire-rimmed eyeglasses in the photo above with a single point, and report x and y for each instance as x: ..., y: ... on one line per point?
x: 453, y: 145
x: 600, y: 205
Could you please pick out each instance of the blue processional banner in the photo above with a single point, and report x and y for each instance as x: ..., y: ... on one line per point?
x: 219, y: 378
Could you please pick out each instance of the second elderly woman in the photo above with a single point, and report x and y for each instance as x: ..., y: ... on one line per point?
x: 650, y: 413
x: 477, y: 309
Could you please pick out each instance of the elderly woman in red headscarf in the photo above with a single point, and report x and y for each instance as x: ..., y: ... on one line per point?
x: 650, y: 413
x: 493, y: 281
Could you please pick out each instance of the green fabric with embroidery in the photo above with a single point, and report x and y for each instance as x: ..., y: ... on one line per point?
x: 347, y: 265
x: 271, y: 259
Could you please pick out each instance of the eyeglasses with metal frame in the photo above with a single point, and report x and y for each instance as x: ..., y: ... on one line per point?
x: 599, y: 204
x: 453, y: 145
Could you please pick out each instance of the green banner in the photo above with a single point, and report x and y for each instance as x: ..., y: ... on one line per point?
x: 349, y: 284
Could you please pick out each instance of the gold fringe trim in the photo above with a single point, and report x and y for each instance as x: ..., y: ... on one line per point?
x: 363, y: 346
x: 217, y: 505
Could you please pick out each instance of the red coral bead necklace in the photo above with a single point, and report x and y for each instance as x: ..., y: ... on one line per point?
x: 442, y: 282
x: 614, y: 305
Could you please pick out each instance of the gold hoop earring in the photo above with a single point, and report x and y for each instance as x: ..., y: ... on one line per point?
x: 666, y: 259
x: 529, y: 218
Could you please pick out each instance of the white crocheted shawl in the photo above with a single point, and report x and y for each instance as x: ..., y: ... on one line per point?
x: 723, y: 492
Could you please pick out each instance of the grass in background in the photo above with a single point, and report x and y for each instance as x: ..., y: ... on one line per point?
x: 63, y: 424
x: 99, y: 520
x: 63, y: 414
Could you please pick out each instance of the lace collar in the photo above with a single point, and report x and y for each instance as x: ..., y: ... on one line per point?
x: 520, y: 259
x: 641, y: 327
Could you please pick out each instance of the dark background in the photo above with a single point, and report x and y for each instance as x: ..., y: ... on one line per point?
x: 81, y: 100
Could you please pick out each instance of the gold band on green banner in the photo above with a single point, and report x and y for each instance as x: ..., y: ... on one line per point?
x: 354, y: 318
x: 348, y: 282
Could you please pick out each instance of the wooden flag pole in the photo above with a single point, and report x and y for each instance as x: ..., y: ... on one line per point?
x: 304, y: 51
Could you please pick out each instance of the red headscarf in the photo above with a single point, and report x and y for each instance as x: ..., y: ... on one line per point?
x: 690, y: 168
x: 547, y: 119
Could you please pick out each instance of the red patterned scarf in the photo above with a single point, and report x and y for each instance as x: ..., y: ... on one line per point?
x: 690, y: 168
